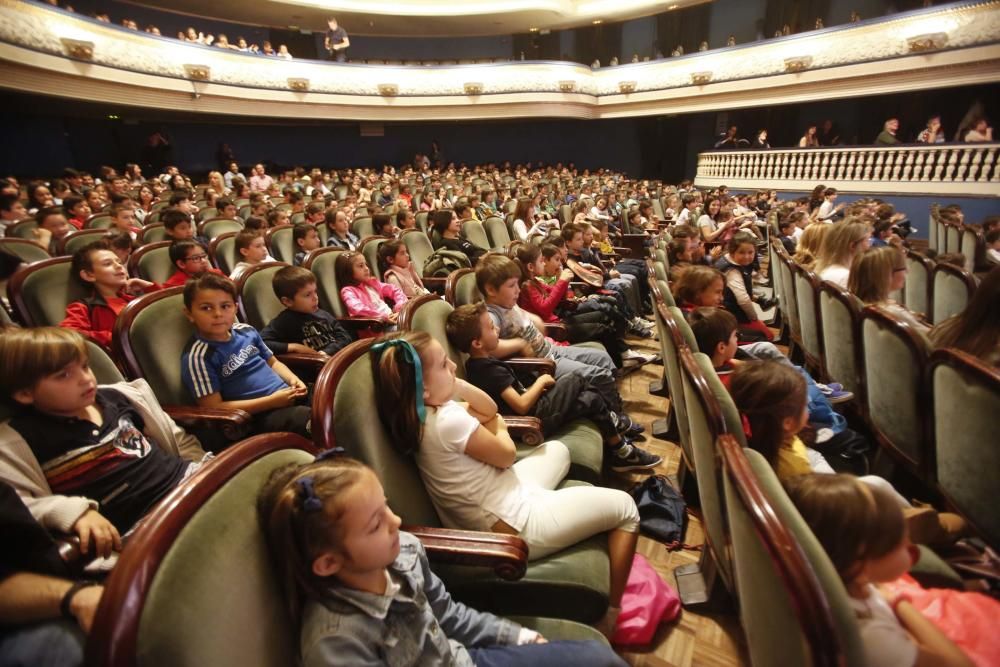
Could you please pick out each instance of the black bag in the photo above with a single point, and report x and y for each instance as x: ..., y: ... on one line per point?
x: 662, y: 510
x: 444, y: 261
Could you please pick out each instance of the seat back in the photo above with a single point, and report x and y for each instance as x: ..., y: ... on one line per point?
x: 806, y: 297
x: 793, y: 604
x: 973, y: 246
x: 474, y: 233
x: 952, y: 238
x: 421, y: 219
x: 152, y: 233
x: 362, y: 227
x: 208, y: 213
x: 320, y: 262
x: 952, y: 291
x: 460, y: 288
x: 204, y: 539
x: 496, y: 230
x: 671, y: 342
x: 895, y: 357
x: 105, y: 369
x: 152, y: 262
x: 279, y: 242
x: 429, y: 313
x: 919, y: 278
x: 419, y: 247
x: 790, y: 305
x: 840, y: 316
x: 222, y: 250
x: 40, y: 292
x: 23, y: 229
x: 98, y: 221
x: 214, y: 227
x: 149, y: 338
x: 257, y: 301
x: 79, y: 238
x: 369, y: 248
x: 28, y: 251
x: 934, y: 232
x: 345, y: 383
x: 966, y: 400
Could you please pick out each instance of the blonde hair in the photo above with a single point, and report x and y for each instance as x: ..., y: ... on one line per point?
x: 809, y: 244
x: 28, y: 355
x: 871, y: 273
x: 838, y: 247
x: 297, y: 533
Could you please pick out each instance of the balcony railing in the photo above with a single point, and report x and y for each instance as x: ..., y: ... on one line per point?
x: 957, y: 169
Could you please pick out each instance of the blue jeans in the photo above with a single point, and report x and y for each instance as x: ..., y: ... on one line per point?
x: 594, y: 365
x: 57, y: 643
x: 590, y: 653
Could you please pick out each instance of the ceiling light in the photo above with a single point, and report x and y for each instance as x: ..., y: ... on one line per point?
x: 532, y: 29
x: 597, y: 21
x: 672, y: 7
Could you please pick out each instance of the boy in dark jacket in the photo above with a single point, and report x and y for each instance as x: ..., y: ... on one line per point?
x: 302, y: 326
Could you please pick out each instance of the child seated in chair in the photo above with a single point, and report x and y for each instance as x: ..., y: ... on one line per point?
x: 382, y: 225
x: 738, y: 297
x: 363, y: 295
x: 303, y: 326
x: 98, y: 268
x: 305, y: 238
x: 177, y: 226
x: 227, y: 365
x: 191, y: 261
x: 554, y: 401
x: 394, y: 261
x: 74, y: 447
x: 123, y: 219
x: 353, y: 578
x: 52, y: 228
x: 250, y: 250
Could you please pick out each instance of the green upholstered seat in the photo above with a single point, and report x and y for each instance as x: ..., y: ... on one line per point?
x: 497, y: 232
x: 419, y: 247
x: 919, y: 280
x: 105, y: 370
x: 222, y: 250
x: 807, y: 302
x: 952, y: 291
x: 790, y: 308
x: 27, y: 250
x: 465, y: 290
x: 369, y: 248
x: 474, y: 233
x: 258, y: 302
x: 77, y: 239
x: 321, y: 262
x: 280, y: 243
x: 581, y: 437
x: 362, y: 227
x: 421, y: 219
x: 840, y: 313
x: 571, y: 584
x: 664, y: 287
x: 98, y: 221
x: 152, y: 232
x: 218, y: 226
x: 670, y: 336
x: 152, y: 262
x: 23, y: 229
x: 208, y: 213
x: 966, y: 401
x: 40, y: 292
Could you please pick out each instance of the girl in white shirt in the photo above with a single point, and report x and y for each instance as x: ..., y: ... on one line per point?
x: 839, y: 247
x: 468, y: 463
x: 861, y: 527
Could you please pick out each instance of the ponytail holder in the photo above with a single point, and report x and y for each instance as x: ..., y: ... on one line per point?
x: 310, y: 501
x: 409, y: 354
x: 746, y: 426
x: 330, y: 454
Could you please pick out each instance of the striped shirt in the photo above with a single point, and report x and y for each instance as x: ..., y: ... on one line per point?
x: 237, y: 369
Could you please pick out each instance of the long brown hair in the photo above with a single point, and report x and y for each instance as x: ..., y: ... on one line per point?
x: 527, y: 254
x: 871, y: 273
x: 396, y: 391
x: 695, y: 280
x: 976, y: 329
x: 296, y: 533
x: 853, y: 521
x: 767, y: 393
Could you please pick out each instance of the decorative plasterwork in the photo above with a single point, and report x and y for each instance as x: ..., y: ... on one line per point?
x: 866, y: 58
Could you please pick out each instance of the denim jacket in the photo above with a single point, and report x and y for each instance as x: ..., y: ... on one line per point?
x: 418, y: 624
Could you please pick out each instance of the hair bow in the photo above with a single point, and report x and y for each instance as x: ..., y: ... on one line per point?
x: 409, y: 354
x: 310, y: 501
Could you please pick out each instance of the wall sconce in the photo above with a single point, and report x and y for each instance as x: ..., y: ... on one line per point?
x: 567, y: 86
x: 798, y: 64
x: 627, y: 87
x: 473, y: 88
x: 700, y: 78
x: 928, y: 42
x: 198, y: 72
x: 388, y: 89
x: 77, y: 48
x: 298, y: 85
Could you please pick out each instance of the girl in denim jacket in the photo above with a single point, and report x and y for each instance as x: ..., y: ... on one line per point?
x: 364, y: 592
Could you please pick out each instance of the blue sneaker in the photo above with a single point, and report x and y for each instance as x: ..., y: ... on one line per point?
x: 627, y: 457
x: 627, y: 427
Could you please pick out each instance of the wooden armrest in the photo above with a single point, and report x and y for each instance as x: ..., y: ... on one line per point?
x: 304, y: 363
x: 533, y: 365
x: 622, y: 251
x: 578, y: 286
x: 428, y: 281
x: 235, y: 424
x: 526, y: 429
x: 507, y: 555
x: 355, y: 323
x: 634, y: 242
x: 556, y: 331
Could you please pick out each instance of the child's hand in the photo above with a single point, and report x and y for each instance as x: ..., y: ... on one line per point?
x: 541, y: 640
x: 566, y: 275
x: 137, y: 285
x: 92, y: 528
x: 285, y: 397
x: 546, y: 380
x: 614, y: 274
x: 300, y: 348
x: 298, y: 384
x: 42, y: 236
x: 393, y: 318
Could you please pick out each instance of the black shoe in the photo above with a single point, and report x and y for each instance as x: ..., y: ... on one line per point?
x: 627, y: 427
x: 627, y: 457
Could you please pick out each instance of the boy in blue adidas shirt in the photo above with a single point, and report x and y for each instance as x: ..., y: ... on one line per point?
x: 227, y: 365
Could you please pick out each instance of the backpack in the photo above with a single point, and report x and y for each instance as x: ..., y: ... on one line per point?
x: 662, y: 511
x: 444, y: 261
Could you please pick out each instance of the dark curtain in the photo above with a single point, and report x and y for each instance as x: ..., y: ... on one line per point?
x: 601, y: 41
x: 687, y: 28
x: 800, y: 15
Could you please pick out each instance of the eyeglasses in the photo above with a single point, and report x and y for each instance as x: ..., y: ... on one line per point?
x: 196, y: 258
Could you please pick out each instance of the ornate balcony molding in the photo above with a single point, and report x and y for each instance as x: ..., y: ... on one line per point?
x: 139, y: 69
x: 946, y: 169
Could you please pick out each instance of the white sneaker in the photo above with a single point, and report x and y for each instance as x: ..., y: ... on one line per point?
x: 639, y: 357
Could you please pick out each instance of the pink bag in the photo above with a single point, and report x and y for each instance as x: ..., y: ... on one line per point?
x: 647, y: 602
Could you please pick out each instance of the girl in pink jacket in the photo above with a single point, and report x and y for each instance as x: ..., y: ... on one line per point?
x: 363, y: 295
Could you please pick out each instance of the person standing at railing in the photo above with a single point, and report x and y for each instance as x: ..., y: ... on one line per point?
x: 887, y: 137
x: 727, y: 139
x: 932, y: 134
x: 336, y: 41
x: 809, y: 139
x: 761, y: 141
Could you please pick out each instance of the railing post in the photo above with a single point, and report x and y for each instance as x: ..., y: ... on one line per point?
x: 989, y: 161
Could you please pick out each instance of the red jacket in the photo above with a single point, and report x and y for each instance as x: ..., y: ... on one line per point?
x: 94, y: 318
x: 541, y: 299
x: 179, y: 278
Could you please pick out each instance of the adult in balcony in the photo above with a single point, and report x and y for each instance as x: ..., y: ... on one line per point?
x: 887, y: 137
x: 761, y: 141
x: 260, y: 181
x: 336, y: 41
x: 809, y: 139
x: 728, y: 139
x: 981, y: 131
x: 932, y: 134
